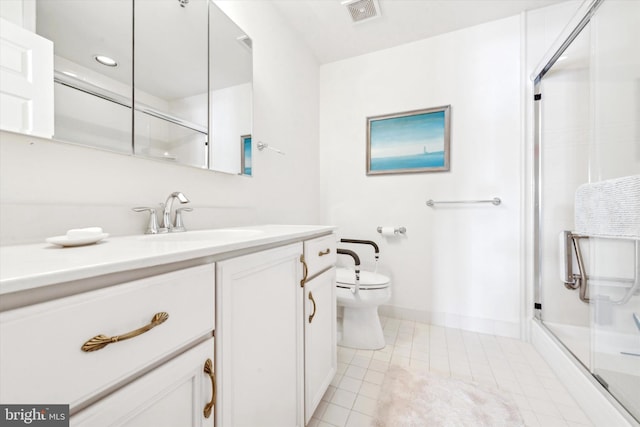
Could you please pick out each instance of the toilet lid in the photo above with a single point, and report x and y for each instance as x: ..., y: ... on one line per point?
x: 346, y: 277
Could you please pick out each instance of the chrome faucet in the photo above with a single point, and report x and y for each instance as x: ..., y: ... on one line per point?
x: 167, y: 224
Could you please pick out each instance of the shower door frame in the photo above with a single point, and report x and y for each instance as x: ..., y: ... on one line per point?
x: 580, y: 20
x: 567, y: 36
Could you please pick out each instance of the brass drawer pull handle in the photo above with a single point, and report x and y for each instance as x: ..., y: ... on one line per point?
x: 325, y: 252
x: 101, y: 341
x: 305, y: 271
x: 314, y: 307
x: 208, y: 369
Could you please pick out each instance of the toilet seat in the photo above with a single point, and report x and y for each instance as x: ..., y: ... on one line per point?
x: 346, y: 279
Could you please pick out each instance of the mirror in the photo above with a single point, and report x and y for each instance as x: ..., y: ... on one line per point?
x: 171, y: 80
x: 231, y: 75
x: 182, y: 79
x: 92, y: 101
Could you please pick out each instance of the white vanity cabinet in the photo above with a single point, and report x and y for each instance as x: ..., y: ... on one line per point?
x: 275, y: 334
x: 258, y: 308
x: 319, y: 320
x: 259, y: 339
x: 141, y: 343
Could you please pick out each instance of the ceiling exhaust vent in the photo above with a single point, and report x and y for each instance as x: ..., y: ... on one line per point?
x: 362, y: 10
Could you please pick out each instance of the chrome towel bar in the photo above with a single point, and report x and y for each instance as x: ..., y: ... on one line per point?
x: 495, y: 201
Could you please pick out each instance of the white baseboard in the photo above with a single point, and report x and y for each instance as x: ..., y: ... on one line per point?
x: 473, y: 324
x: 594, y: 400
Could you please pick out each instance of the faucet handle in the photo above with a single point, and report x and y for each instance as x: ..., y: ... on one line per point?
x: 152, y: 227
x: 179, y: 224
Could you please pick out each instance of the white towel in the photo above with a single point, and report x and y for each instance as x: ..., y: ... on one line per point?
x: 609, y: 208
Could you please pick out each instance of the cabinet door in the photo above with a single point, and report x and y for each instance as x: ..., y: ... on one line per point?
x: 26, y: 81
x: 319, y: 338
x: 174, y: 394
x: 259, y: 339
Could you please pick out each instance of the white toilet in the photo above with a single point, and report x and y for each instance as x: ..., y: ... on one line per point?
x: 361, y: 326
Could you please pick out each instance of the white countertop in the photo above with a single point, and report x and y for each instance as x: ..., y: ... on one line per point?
x: 24, y: 267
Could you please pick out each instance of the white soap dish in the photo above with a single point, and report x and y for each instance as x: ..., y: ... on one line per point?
x: 77, y: 241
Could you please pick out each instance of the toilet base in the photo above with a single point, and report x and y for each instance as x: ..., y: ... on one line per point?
x: 361, y: 329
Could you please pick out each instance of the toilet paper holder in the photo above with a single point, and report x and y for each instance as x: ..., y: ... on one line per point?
x: 396, y: 230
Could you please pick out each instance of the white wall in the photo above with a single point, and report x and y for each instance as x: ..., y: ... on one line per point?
x: 457, y: 266
x: 47, y: 187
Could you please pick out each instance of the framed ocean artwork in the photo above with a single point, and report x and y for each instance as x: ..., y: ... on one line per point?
x: 409, y: 142
x: 245, y: 163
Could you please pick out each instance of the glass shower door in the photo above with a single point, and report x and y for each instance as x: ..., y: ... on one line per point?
x: 564, y: 156
x: 588, y: 222
x: 615, y: 318
x: 615, y: 287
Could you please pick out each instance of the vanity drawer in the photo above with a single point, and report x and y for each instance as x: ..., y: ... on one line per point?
x: 41, y: 360
x: 320, y: 254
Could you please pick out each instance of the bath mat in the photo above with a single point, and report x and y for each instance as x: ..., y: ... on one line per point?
x: 419, y: 399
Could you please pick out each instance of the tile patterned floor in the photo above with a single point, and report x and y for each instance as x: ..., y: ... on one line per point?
x: 504, y: 363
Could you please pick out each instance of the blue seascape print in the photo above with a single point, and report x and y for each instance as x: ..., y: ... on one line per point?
x: 416, y: 161
x: 246, y: 149
x: 408, y: 142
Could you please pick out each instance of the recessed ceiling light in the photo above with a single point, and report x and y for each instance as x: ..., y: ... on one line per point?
x: 105, y: 60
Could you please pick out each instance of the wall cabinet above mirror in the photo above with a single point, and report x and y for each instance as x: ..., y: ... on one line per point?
x: 162, y: 79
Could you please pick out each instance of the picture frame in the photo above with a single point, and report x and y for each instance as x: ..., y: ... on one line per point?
x: 409, y: 142
x: 245, y: 155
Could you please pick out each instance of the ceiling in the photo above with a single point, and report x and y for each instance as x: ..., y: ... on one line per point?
x: 167, y: 36
x: 82, y: 28
x: 326, y: 27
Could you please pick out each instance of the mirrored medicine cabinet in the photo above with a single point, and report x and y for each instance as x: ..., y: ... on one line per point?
x: 162, y: 79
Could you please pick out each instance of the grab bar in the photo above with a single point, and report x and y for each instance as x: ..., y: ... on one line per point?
x: 376, y: 249
x: 495, y: 201
x: 356, y: 260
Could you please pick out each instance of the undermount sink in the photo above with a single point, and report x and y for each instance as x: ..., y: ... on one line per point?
x: 215, y: 235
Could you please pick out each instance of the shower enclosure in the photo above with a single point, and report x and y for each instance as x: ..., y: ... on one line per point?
x: 587, y: 108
